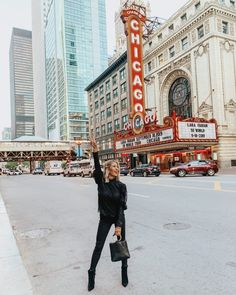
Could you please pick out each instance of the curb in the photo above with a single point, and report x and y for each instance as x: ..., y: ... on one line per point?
x: 13, y: 276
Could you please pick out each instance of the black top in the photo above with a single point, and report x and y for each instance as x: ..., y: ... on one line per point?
x: 112, y: 195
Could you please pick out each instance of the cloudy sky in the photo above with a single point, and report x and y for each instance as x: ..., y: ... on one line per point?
x: 17, y: 13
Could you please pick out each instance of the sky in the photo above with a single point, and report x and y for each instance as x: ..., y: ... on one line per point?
x: 17, y: 13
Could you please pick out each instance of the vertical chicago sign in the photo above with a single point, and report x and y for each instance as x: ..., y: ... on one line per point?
x: 133, y: 21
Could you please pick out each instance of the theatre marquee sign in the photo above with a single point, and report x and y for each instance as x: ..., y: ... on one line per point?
x: 174, y: 130
x: 146, y: 139
x: 196, y: 130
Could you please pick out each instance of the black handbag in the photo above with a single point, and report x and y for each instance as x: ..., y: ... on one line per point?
x: 119, y: 250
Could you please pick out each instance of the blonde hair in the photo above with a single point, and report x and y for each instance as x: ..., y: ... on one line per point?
x: 107, y: 166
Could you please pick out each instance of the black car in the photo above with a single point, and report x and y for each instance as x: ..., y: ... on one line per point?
x: 145, y: 170
x: 124, y: 171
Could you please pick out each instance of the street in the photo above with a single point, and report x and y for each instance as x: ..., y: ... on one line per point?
x: 180, y: 232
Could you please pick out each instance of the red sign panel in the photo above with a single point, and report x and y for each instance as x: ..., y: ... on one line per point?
x: 134, y: 29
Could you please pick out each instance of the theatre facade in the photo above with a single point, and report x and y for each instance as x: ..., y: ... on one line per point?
x: 189, y: 91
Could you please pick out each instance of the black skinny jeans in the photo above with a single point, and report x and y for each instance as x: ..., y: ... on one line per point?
x: 104, y: 226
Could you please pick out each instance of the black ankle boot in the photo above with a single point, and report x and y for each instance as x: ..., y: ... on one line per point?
x: 124, y: 276
x: 91, y: 279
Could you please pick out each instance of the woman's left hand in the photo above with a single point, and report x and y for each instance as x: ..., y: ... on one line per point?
x: 117, y: 231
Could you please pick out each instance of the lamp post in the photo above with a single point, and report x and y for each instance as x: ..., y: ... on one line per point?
x: 78, y: 152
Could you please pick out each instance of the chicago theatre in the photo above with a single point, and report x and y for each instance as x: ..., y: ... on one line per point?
x: 172, y: 96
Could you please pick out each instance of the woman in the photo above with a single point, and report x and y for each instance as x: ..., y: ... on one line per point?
x: 112, y: 197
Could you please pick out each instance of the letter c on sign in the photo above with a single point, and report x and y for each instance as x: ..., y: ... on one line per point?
x: 137, y: 66
x: 134, y: 24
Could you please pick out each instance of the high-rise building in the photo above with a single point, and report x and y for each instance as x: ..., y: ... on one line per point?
x: 39, y: 12
x: 6, y: 133
x: 76, y: 53
x: 21, y: 83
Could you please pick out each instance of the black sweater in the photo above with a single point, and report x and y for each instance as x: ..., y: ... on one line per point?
x: 112, y: 195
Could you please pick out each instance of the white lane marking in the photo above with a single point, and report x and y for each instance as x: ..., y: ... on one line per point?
x: 187, y: 187
x: 217, y: 185
x: 138, y: 195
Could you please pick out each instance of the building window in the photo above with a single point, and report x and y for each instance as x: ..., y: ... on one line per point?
x: 108, y: 112
x: 116, y: 124
x: 150, y: 44
x: 159, y: 37
x: 197, y: 5
x: 72, y: 56
x: 96, y: 93
x: 109, y: 127
x: 123, y: 87
x: 103, y: 131
x: 97, y: 131
x: 115, y: 93
x: 124, y: 120
x: 171, y: 28
x: 225, y: 27
x: 184, y: 17
x: 171, y: 51
x: 149, y: 66
x: 180, y: 98
x: 108, y: 85
x: 116, y: 108
x: 72, y: 43
x: 96, y: 105
x: 101, y: 90
x: 102, y: 101
x: 91, y: 108
x: 122, y: 74
x: 184, y: 43
x: 91, y: 121
x: 114, y: 80
x: 108, y: 97
x: 160, y: 59
x: 124, y: 104
x: 200, y: 31
x: 97, y: 118
x: 232, y: 3
x: 102, y: 115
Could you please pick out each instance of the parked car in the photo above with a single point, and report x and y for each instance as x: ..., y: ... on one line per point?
x: 145, y: 170
x: 124, y: 170
x: 195, y: 167
x: 72, y: 169
x: 37, y: 170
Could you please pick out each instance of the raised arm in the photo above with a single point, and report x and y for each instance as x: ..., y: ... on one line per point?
x: 98, y: 174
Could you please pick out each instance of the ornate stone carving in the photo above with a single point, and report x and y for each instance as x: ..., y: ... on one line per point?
x: 231, y: 105
x: 207, y: 26
x: 185, y: 61
x: 231, y: 29
x: 219, y: 25
x: 202, y: 49
x: 194, y: 37
x: 225, y: 45
x: 205, y: 108
x: 177, y: 47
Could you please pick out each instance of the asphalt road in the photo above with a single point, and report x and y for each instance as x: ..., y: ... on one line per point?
x: 180, y: 231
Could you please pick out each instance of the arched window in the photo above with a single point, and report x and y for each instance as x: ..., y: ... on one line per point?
x: 180, y: 98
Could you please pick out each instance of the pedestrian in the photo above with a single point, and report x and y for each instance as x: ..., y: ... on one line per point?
x: 112, y: 198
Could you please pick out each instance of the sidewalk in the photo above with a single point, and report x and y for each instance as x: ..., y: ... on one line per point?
x: 228, y: 171
x: 13, y: 276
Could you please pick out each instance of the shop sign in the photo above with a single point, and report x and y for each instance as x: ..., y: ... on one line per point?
x: 133, y: 21
x: 146, y: 139
x: 197, y: 130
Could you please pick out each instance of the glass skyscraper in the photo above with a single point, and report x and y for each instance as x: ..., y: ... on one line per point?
x: 76, y: 53
x: 21, y: 83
